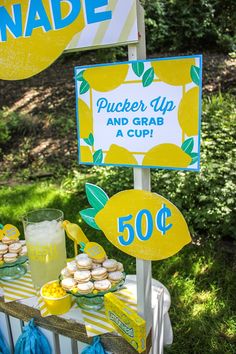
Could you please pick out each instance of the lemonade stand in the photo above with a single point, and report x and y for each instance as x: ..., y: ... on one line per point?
x: 140, y: 114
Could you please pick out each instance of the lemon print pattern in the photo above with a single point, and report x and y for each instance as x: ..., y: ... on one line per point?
x: 174, y: 72
x: 119, y: 155
x: 24, y: 57
x: 188, y: 112
x: 85, y: 119
x: 166, y: 155
x: 129, y: 203
x: 85, y: 154
x: 106, y: 80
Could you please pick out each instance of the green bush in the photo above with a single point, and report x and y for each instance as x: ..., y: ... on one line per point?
x: 14, y: 125
x: 207, y: 199
x: 4, y: 130
x: 194, y: 25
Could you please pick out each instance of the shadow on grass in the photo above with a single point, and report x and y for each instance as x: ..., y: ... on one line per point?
x: 202, y: 287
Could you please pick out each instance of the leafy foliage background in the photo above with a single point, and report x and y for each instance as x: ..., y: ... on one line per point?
x: 190, y: 25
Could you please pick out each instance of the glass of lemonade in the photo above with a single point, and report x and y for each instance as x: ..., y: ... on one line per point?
x: 45, y: 240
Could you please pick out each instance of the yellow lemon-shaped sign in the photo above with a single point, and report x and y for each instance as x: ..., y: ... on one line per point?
x: 94, y: 250
x: 34, y: 33
x: 9, y: 231
x: 143, y: 224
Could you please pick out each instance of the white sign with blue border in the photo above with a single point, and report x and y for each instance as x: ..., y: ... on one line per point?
x: 141, y: 113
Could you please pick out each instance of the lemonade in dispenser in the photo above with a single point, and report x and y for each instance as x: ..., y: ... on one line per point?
x: 45, y: 239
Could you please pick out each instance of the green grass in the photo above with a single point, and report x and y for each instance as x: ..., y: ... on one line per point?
x: 201, y: 279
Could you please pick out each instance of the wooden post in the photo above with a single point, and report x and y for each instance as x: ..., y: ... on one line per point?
x: 142, y: 180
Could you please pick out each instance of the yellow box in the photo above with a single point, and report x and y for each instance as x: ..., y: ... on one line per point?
x: 126, y: 322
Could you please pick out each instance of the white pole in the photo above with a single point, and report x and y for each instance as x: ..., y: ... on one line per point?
x: 142, y: 180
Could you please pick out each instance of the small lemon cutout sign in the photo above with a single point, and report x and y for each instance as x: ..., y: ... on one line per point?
x: 140, y: 223
x: 9, y: 231
x: 140, y: 113
x: 94, y: 250
x: 76, y: 234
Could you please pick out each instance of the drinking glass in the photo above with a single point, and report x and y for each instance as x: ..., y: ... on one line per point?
x: 45, y: 240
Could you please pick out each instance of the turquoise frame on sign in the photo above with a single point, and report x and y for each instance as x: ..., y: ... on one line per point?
x: 196, y: 75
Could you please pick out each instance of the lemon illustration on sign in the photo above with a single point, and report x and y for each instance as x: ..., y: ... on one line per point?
x: 174, y: 72
x: 120, y: 155
x: 188, y: 112
x: 85, y: 154
x: 143, y: 224
x: 166, y: 155
x: 41, y: 31
x: 106, y: 78
x: 85, y: 119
